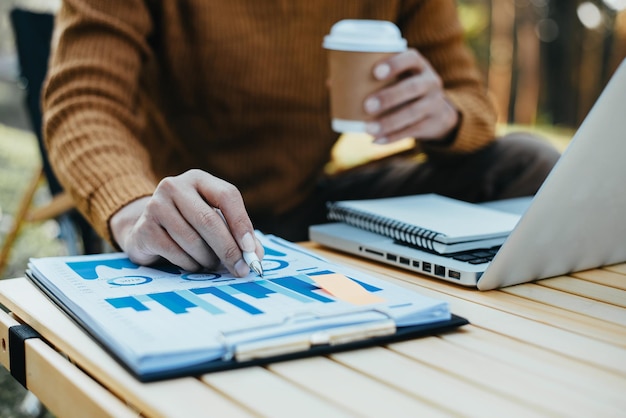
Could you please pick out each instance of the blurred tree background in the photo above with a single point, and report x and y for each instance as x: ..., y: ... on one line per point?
x: 546, y: 61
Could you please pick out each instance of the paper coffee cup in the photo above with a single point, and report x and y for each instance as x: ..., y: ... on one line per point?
x: 354, y: 47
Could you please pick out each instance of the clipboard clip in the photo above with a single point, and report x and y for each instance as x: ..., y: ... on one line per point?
x: 251, y: 350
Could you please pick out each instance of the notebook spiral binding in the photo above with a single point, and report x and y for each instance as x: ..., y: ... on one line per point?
x: 397, y: 230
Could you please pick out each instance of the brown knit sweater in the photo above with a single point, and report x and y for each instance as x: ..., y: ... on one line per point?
x: 140, y: 89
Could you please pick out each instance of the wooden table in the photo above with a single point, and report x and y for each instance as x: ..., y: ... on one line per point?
x: 552, y: 348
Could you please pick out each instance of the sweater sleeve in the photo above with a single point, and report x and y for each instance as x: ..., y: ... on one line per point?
x: 92, y: 118
x: 434, y: 29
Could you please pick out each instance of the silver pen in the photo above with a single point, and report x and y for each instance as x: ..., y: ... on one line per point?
x: 253, y: 262
x: 249, y: 257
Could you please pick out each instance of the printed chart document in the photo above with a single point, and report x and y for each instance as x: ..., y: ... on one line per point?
x: 162, y: 321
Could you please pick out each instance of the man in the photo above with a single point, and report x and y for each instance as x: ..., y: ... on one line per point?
x: 159, y: 113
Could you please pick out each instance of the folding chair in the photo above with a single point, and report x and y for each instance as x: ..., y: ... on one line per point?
x: 33, y: 36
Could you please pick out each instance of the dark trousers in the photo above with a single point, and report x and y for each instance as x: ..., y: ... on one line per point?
x: 513, y: 166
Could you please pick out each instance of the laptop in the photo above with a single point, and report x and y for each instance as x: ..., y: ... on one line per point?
x: 576, y: 221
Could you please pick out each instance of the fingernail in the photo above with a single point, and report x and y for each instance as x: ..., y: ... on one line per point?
x: 382, y: 71
x: 372, y: 128
x: 241, y: 268
x: 247, y: 242
x: 381, y: 141
x: 372, y: 105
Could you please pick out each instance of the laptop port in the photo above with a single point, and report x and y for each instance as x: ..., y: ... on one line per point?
x: 454, y: 274
x: 416, y: 264
x: 392, y: 257
x: 378, y: 253
x: 427, y: 267
x: 440, y: 270
x: 405, y: 261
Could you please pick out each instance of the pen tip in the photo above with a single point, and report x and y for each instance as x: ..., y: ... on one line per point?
x: 256, y: 267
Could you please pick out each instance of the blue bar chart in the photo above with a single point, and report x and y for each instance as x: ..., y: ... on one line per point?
x: 88, y: 270
x: 215, y: 294
x: 298, y: 289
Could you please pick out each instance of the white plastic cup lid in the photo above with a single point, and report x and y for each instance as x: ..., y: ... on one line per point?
x: 365, y: 36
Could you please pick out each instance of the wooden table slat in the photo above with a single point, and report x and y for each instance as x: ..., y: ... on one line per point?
x: 6, y: 321
x: 598, y: 353
x: 524, y: 300
x: 586, y: 289
x: 347, y: 387
x: 429, y: 384
x: 570, y: 302
x: 601, y: 384
x: 66, y: 390
x: 55, y: 380
x: 513, y: 381
x: 256, y: 388
x: 604, y: 277
x: 617, y: 268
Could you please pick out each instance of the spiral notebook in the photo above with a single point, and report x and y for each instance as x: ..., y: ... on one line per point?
x: 428, y: 221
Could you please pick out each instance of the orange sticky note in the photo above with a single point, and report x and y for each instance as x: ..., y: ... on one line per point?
x: 345, y: 289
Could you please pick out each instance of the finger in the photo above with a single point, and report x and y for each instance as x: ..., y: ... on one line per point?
x: 151, y: 243
x: 435, y: 121
x: 401, y: 63
x: 197, y: 207
x: 229, y: 201
x: 190, y: 241
x: 181, y: 258
x: 391, y: 97
x: 260, y: 250
x: 211, y: 229
x: 399, y: 120
x: 163, y: 208
x: 406, y: 90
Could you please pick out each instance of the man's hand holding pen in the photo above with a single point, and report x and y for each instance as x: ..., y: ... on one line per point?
x: 180, y: 223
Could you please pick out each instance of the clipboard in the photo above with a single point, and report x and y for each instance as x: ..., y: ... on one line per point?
x: 259, y: 358
x: 283, y: 349
x: 307, y: 334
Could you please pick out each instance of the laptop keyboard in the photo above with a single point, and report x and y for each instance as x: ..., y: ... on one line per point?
x: 475, y: 256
